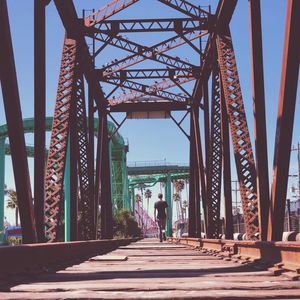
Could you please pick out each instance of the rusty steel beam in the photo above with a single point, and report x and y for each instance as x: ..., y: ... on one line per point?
x: 74, y: 29
x: 73, y: 165
x: 39, y: 116
x: 104, y: 185
x: 13, y: 114
x: 285, y: 119
x: 134, y: 96
x: 158, y: 73
x: 239, y: 132
x: 91, y: 150
x: 197, y: 171
x: 215, y: 165
x: 107, y: 11
x: 179, y: 25
x: 284, y: 256
x: 226, y: 168
x: 223, y: 16
x: 141, y: 52
x: 187, y: 8
x: 206, y: 123
x: 147, y: 90
x: 260, y: 132
x: 150, y: 106
x: 191, y: 206
x: 200, y: 172
x: 59, y: 138
x: 84, y: 161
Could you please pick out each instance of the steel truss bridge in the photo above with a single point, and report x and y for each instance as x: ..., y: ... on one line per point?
x: 118, y: 170
x: 225, y: 122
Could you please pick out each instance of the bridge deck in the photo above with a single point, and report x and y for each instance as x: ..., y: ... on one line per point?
x: 155, y: 271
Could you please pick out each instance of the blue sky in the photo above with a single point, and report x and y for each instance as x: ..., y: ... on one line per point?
x: 153, y: 139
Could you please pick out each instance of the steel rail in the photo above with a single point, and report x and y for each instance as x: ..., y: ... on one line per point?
x: 284, y: 257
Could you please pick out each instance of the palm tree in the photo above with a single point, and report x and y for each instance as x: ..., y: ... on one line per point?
x: 138, y: 199
x: 12, y: 203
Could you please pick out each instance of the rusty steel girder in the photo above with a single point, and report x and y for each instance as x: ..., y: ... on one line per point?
x: 147, y: 90
x: 215, y: 157
x: 141, y: 53
x: 59, y: 139
x: 107, y: 11
x: 179, y: 25
x: 187, y: 8
x: 84, y: 161
x: 239, y: 132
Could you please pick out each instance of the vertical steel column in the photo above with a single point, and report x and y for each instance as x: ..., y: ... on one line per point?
x: 39, y: 115
x: 215, y: 163
x: 13, y: 113
x: 168, y: 195
x: 105, y: 184
x: 75, y: 206
x: 239, y: 132
x: 84, y: 166
x: 206, y: 124
x: 260, y: 131
x: 199, y: 172
x: 285, y: 119
x: 91, y: 154
x: 191, y: 207
x: 2, y: 184
x: 226, y: 168
x: 59, y: 138
x: 132, y: 201
x: 67, y: 196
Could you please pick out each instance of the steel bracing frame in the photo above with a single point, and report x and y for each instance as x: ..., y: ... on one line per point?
x: 163, y: 89
x: 239, y: 132
x: 59, y: 138
x: 215, y: 167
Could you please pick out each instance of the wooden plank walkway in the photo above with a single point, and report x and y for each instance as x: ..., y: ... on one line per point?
x: 155, y: 270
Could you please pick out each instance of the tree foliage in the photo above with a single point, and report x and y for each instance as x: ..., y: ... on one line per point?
x: 124, y: 225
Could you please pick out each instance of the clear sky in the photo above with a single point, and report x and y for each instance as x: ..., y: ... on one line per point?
x: 153, y: 139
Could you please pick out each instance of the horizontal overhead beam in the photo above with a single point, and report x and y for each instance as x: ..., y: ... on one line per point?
x: 149, y: 25
x: 149, y: 106
x: 173, y: 74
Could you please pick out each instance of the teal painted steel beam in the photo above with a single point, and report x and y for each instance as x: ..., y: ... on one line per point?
x: 67, y: 196
x: 132, y: 200
x: 2, y: 184
x: 168, y: 197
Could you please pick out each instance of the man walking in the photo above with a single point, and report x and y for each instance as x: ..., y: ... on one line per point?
x: 162, y: 214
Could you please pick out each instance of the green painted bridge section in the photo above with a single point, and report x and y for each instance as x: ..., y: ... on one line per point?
x: 118, y: 151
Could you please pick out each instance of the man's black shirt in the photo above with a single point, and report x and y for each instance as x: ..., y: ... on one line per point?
x: 161, y: 206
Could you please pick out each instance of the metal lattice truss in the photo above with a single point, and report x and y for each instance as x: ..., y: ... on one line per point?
x: 118, y: 73
x: 239, y: 133
x: 70, y: 95
x: 107, y: 11
x: 215, y: 167
x: 59, y: 139
x: 86, y: 196
x: 150, y: 25
x: 187, y: 8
